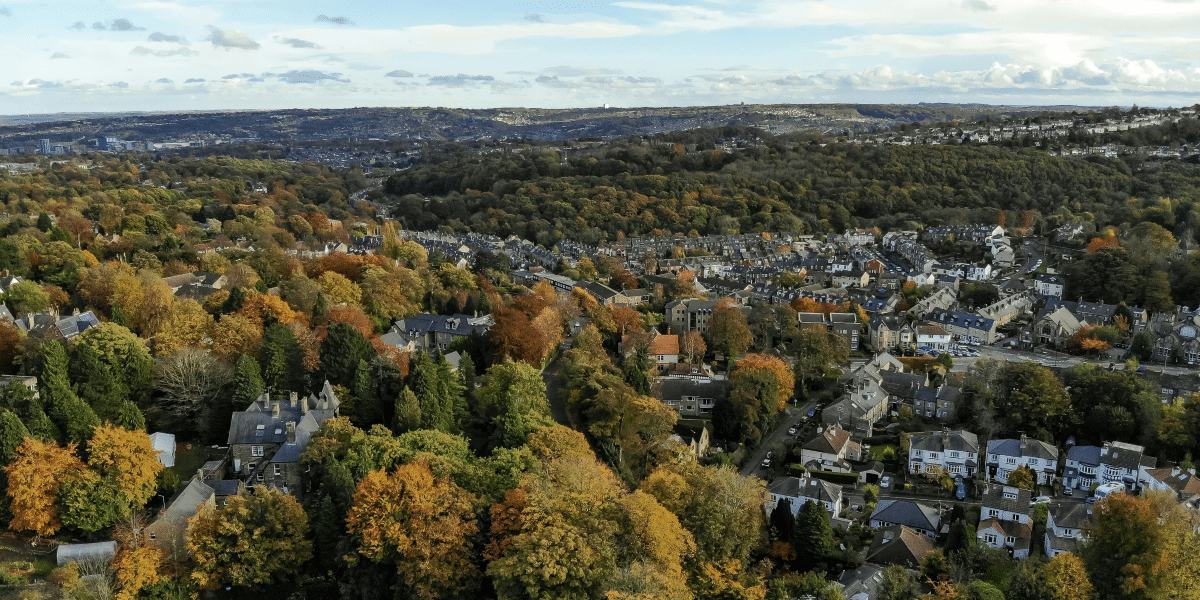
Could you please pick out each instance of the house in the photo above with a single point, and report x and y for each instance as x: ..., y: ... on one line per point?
x: 851, y: 279
x: 1081, y: 467
x: 953, y: 452
x: 923, y: 518
x: 267, y: 439
x: 899, y: 545
x: 1126, y: 464
x: 634, y: 297
x: 859, y: 237
x: 1006, y: 520
x: 169, y: 531
x: 800, y: 490
x: 862, y: 583
x: 1008, y: 308
x: 663, y: 349
x: 164, y: 445
x: 891, y: 331
x: 603, y: 294
x: 1182, y: 482
x: 864, y: 401
x: 690, y: 398
x: 1045, y: 284
x: 1066, y: 528
x: 50, y: 326
x: 1003, y: 255
x: 1005, y: 455
x: 964, y: 325
x: 197, y: 285
x: 1055, y: 328
x: 8, y: 280
x: 846, y: 325
x: 933, y: 337
x: 940, y: 298
x: 830, y: 451
x: 429, y: 332
x: 689, y: 315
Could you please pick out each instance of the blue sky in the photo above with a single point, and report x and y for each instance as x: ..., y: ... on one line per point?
x: 119, y: 55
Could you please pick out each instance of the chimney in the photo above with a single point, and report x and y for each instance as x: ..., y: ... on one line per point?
x: 75, y: 313
x: 291, y: 432
x: 31, y: 321
x: 292, y: 399
x: 275, y: 409
x: 200, y: 475
x: 304, y: 405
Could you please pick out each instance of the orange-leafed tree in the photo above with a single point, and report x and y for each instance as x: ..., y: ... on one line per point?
x: 420, y: 522
x: 129, y: 458
x: 623, y: 280
x: 775, y: 374
x: 235, y: 335
x: 513, y: 336
x: 507, y: 521
x: 137, y: 564
x: 549, y: 326
x: 257, y: 538
x: 350, y: 315
x: 1099, y: 243
x: 627, y: 320
x: 728, y: 328
x: 37, y: 471
x: 185, y: 325
x: 692, y: 346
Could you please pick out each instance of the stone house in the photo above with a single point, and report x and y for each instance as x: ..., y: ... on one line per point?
x: 267, y: 439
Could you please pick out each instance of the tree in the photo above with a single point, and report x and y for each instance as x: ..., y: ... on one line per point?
x: 1022, y: 477
x: 897, y: 584
x: 282, y: 360
x: 301, y: 294
x: 1067, y: 578
x: 129, y: 460
x: 813, y: 535
x: 513, y: 401
x: 721, y: 509
x: 420, y: 522
x: 126, y: 356
x: 728, y: 330
x: 137, y: 564
x: 1033, y: 399
x: 10, y: 344
x: 338, y: 289
x: 37, y: 471
x: 192, y: 384
x: 257, y: 538
x: 439, y: 393
x: 514, y: 337
x: 1140, y: 547
x: 27, y: 298
x: 186, y: 325
x: 341, y: 352
x: 74, y: 419
x: 692, y: 347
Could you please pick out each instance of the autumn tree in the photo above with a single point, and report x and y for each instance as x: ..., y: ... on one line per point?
x: 1141, y: 547
x: 27, y: 298
x: 137, y: 564
x: 721, y: 509
x: 514, y: 337
x: 185, y: 325
x: 758, y: 390
x: 1067, y: 577
x: 728, y: 330
x: 1022, y: 477
x: 338, y: 289
x: 420, y: 522
x: 191, y: 385
x: 235, y: 336
x: 692, y: 347
x: 630, y: 422
x: 512, y: 401
x: 256, y: 539
x: 36, y: 473
x: 126, y: 356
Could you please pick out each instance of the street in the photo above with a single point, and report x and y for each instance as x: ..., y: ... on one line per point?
x: 778, y: 437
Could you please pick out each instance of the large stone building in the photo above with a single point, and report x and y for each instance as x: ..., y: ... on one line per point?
x: 267, y: 439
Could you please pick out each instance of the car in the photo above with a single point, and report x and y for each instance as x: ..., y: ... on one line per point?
x: 885, y: 482
x: 960, y: 492
x: 1090, y: 500
x: 1141, y: 369
x: 1040, y: 500
x: 792, y: 430
x: 811, y: 413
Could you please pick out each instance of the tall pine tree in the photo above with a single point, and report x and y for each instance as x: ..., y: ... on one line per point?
x: 813, y: 536
x: 75, y: 420
x: 341, y: 351
x: 367, y: 408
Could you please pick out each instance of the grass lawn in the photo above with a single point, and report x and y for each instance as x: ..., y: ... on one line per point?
x: 877, y: 451
x: 190, y: 456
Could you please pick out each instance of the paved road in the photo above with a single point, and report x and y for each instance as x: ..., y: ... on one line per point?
x: 778, y: 437
x: 553, y: 378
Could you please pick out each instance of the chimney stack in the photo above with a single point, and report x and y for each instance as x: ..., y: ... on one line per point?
x: 275, y: 409
x: 200, y: 475
x: 304, y: 405
x: 291, y: 432
x: 31, y: 321
x: 292, y: 399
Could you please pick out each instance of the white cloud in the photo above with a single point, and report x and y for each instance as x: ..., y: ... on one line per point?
x: 231, y: 38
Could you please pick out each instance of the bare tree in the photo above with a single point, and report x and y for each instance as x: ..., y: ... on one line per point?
x: 189, y: 381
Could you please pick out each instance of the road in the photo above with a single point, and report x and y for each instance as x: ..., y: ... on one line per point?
x: 1033, y: 257
x: 553, y: 378
x: 777, y: 438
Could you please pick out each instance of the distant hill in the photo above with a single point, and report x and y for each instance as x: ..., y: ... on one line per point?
x: 471, y: 124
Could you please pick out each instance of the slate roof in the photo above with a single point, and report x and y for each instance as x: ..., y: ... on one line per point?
x: 68, y: 326
x: 995, y: 498
x: 899, y: 545
x: 602, y: 293
x: 861, y: 583
x: 806, y: 487
x: 1072, y: 516
x: 1183, y: 482
x: 675, y: 389
x: 1086, y: 455
x: 224, y: 487
x: 903, y: 512
x: 1022, y: 447
x: 961, y: 319
x: 945, y: 441
x: 1125, y: 456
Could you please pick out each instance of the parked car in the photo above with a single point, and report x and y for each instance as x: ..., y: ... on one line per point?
x: 792, y: 430
x: 766, y: 463
x: 885, y: 482
x: 960, y: 492
x: 811, y: 413
x: 1040, y: 500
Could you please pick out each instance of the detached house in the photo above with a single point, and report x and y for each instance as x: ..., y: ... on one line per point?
x: 799, y: 490
x: 1182, y: 482
x: 953, y: 452
x: 1126, y: 464
x: 1066, y: 527
x: 899, y: 545
x: 921, y: 517
x: 267, y: 439
x: 830, y: 451
x: 933, y: 337
x: 1005, y: 455
x: 891, y: 331
x: 1006, y: 520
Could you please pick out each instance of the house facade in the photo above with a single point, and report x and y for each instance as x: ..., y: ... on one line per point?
x: 1066, y: 528
x: 1006, y: 520
x: 953, y: 452
x: 267, y: 439
x: 830, y: 451
x: 1006, y: 455
x: 800, y: 490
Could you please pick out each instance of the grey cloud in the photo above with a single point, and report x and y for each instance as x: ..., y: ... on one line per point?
x: 5, y: 12
x: 38, y: 83
x: 535, y: 18
x: 298, y: 43
x: 144, y: 51
x: 121, y: 24
x: 164, y: 80
x: 357, y: 66
x: 162, y: 37
x: 58, y: 55
x: 458, y: 80
x: 399, y: 73
x: 311, y: 76
x: 334, y: 20
x: 98, y: 26
x: 195, y: 80
x: 231, y: 38
x: 120, y: 84
x: 978, y: 5
x: 78, y: 26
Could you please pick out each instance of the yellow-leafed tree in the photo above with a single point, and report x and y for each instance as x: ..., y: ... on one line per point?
x: 37, y: 471
x: 129, y: 458
x: 256, y: 539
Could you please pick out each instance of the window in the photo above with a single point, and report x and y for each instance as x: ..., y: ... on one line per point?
x: 154, y: 536
x: 260, y: 430
x: 1033, y: 462
x: 277, y: 470
x: 1010, y: 540
x: 917, y: 453
x: 1011, y: 460
x: 989, y: 538
x: 260, y: 476
x: 933, y: 455
x: 993, y: 512
x: 953, y: 455
x: 256, y: 450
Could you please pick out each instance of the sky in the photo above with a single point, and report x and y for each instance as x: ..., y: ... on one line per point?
x: 171, y: 55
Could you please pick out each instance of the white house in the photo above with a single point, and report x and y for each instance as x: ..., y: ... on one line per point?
x: 1049, y: 285
x: 1126, y: 464
x: 1005, y: 455
x: 1081, y: 467
x: 953, y: 452
x: 933, y: 337
x: 830, y: 450
x: 1006, y: 520
x: 799, y: 490
x: 977, y: 273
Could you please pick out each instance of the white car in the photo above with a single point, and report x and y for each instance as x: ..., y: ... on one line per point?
x: 792, y: 430
x: 1040, y: 500
x: 885, y: 482
x: 766, y: 463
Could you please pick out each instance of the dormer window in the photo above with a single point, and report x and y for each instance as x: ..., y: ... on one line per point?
x: 260, y: 430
